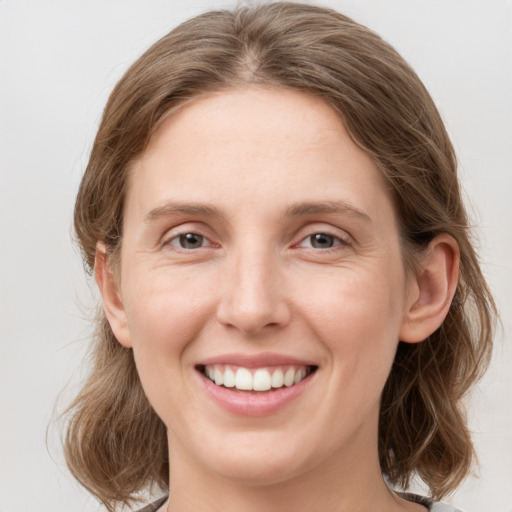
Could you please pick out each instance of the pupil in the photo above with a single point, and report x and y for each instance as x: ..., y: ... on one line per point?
x: 191, y: 241
x: 322, y: 241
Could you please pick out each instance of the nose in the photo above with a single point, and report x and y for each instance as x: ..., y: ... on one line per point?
x: 253, y: 296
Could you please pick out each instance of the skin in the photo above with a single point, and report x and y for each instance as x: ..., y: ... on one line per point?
x: 250, y: 159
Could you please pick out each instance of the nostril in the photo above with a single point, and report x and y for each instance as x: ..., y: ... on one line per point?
x: 251, y: 317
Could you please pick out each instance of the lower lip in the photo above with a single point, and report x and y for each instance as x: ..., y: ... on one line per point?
x: 254, y: 404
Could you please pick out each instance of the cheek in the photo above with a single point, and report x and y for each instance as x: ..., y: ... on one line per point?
x: 358, y: 318
x: 163, y: 312
x: 164, y: 317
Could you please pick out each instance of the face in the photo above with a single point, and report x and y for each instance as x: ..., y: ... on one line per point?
x: 262, y: 286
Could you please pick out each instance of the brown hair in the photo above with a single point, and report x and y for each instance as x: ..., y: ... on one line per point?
x: 116, y: 445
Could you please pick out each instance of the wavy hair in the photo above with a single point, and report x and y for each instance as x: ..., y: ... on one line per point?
x: 115, y: 443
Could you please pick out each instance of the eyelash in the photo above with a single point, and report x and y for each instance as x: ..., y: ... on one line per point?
x: 336, y: 240
x: 179, y: 240
x: 182, y: 238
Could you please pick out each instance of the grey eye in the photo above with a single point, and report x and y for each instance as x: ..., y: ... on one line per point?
x: 322, y: 241
x: 189, y: 241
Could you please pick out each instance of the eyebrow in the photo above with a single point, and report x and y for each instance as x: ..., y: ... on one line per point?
x: 177, y: 208
x: 326, y: 207
x: 294, y: 210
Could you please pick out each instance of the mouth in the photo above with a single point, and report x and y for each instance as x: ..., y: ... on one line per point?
x: 256, y: 380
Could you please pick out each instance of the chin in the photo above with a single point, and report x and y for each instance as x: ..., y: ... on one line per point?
x: 258, y: 471
x: 259, y: 460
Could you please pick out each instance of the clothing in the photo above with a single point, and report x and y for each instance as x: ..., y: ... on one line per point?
x: 433, y: 506
x: 153, y: 507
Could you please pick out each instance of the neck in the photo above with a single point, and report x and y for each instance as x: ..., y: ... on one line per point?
x: 348, y: 482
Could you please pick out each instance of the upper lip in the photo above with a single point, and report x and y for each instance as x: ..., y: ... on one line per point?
x: 256, y: 360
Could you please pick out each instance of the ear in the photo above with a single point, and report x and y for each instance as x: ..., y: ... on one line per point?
x: 435, y: 286
x: 108, y: 285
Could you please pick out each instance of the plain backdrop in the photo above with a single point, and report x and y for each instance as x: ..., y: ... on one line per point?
x: 59, y: 60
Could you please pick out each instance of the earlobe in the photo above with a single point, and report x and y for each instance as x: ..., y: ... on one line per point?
x: 435, y: 284
x: 111, y: 296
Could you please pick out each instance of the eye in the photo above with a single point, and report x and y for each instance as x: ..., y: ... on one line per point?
x: 321, y: 241
x: 189, y: 241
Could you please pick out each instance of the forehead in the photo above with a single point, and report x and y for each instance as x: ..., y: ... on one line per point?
x: 256, y: 113
x: 251, y: 143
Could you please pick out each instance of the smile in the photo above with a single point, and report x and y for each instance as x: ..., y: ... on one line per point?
x: 250, y: 386
x: 256, y: 379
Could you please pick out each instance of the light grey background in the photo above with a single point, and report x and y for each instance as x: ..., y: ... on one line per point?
x: 58, y: 62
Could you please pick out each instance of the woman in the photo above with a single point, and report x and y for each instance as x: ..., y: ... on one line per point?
x: 293, y: 310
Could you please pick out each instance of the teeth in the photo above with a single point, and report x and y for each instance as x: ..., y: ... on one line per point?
x: 299, y: 375
x: 263, y: 379
x: 229, y: 378
x: 218, y: 376
x: 278, y: 378
x: 289, y: 377
x: 243, y: 379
